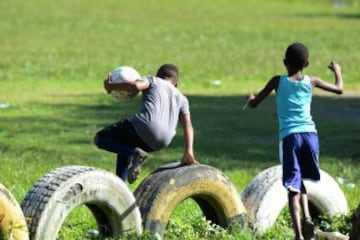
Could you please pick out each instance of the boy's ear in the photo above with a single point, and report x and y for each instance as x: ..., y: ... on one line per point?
x: 306, y: 64
x: 174, y: 81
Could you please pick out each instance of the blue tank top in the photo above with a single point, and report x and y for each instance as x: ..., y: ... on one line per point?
x: 293, y: 99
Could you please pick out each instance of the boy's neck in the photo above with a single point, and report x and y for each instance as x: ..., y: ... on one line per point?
x: 295, y: 75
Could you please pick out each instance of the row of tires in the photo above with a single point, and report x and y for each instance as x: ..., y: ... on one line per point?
x: 118, y: 211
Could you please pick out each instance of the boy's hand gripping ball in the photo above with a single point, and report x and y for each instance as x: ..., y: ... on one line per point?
x: 123, y: 74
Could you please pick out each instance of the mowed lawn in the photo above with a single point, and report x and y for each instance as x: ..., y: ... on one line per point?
x: 54, y: 56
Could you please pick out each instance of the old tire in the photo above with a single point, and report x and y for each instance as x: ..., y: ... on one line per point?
x: 161, y: 192
x: 265, y: 197
x: 12, y: 220
x: 56, y: 194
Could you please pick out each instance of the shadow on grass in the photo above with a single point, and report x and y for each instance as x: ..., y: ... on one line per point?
x: 249, y: 137
x: 225, y: 135
x: 349, y: 16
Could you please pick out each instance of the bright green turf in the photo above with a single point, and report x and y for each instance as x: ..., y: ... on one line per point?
x: 55, y: 54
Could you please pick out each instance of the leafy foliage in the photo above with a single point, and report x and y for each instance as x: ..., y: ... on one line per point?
x: 338, y: 223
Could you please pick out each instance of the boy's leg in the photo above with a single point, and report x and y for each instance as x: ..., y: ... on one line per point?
x: 294, y: 207
x: 309, y: 164
x: 122, y: 139
x: 288, y: 148
x: 128, y: 161
x: 122, y: 167
x: 128, y: 167
x: 304, y: 203
x: 112, y: 145
x: 309, y: 156
x: 308, y: 225
x: 123, y: 152
x: 135, y: 161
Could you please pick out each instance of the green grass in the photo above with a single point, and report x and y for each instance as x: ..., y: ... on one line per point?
x: 54, y: 56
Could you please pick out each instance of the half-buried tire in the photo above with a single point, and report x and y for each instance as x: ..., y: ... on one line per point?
x: 12, y: 220
x: 53, y: 197
x: 265, y: 197
x: 161, y: 192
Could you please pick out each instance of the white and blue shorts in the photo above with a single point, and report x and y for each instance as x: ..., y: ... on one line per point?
x: 299, y: 156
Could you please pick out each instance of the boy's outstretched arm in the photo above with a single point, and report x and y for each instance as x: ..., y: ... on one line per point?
x: 188, y: 157
x: 337, y: 87
x: 254, y: 100
x: 138, y: 85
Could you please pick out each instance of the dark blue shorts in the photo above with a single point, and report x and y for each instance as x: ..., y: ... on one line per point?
x: 299, y: 155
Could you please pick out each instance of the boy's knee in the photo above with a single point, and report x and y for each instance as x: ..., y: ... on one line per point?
x: 292, y: 193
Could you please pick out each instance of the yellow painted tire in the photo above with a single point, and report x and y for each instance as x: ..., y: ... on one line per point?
x: 12, y: 220
x: 162, y: 191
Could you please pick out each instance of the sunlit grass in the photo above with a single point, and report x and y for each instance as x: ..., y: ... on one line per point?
x: 54, y: 56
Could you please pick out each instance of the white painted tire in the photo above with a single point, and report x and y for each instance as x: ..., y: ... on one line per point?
x: 12, y: 220
x: 265, y: 197
x: 56, y: 194
x: 162, y: 191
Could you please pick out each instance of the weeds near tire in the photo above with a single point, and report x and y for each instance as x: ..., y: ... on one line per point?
x: 338, y: 223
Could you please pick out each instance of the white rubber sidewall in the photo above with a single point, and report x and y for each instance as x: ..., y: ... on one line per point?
x: 265, y: 197
x: 99, y: 187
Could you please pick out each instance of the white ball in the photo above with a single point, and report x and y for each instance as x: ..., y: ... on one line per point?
x: 123, y: 74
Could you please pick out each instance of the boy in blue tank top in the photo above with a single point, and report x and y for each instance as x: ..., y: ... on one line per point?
x: 299, y: 146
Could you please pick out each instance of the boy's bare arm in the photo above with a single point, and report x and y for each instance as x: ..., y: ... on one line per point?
x: 188, y: 157
x: 337, y: 87
x: 138, y: 85
x: 254, y: 100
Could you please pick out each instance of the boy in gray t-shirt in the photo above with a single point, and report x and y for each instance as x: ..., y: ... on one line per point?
x: 153, y: 127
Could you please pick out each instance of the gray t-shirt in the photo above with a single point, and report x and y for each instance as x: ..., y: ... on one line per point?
x: 157, y: 120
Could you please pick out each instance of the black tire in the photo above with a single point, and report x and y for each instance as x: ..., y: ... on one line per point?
x: 162, y: 191
x: 56, y: 194
x: 12, y: 220
x: 265, y: 197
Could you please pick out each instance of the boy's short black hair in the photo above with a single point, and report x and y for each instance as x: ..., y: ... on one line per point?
x: 167, y: 71
x: 297, y: 55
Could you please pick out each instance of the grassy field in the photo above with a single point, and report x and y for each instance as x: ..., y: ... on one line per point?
x: 55, y: 54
